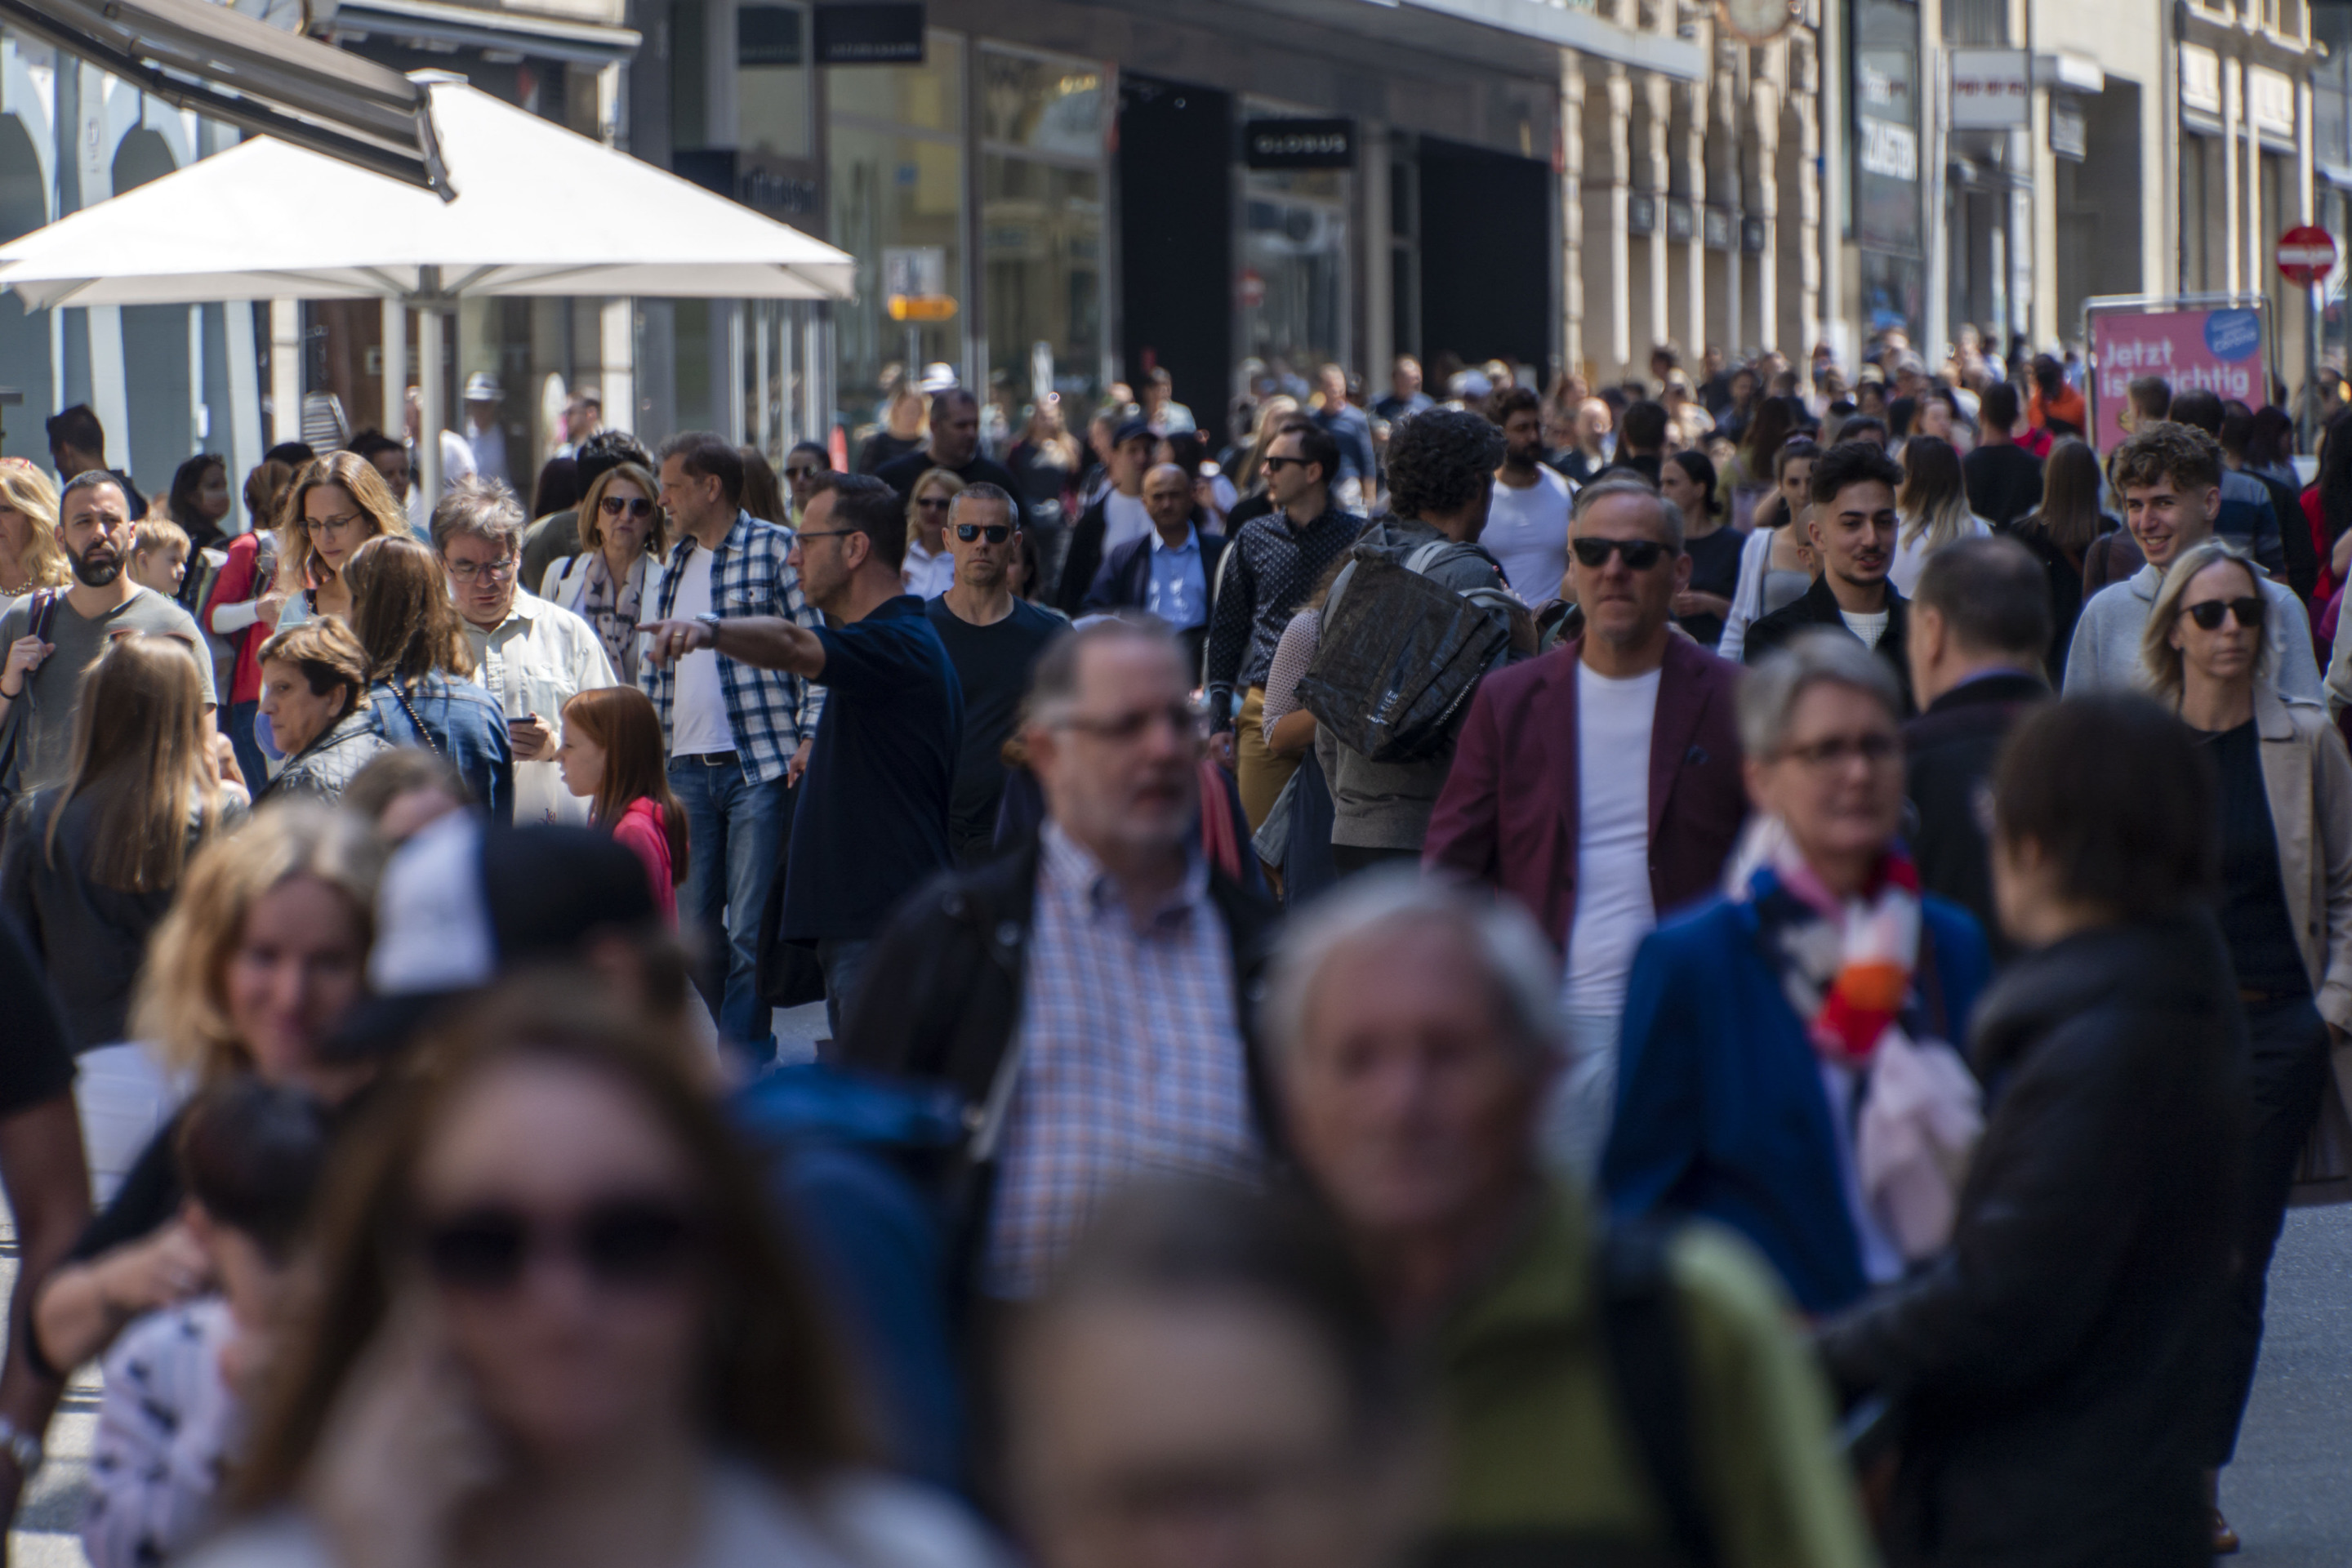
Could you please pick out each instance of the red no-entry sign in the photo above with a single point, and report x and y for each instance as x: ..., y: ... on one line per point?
x: 2306, y: 255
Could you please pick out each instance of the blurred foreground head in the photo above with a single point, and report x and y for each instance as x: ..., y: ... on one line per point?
x: 1209, y: 1384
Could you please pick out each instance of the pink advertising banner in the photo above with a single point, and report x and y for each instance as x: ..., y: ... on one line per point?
x: 2216, y: 350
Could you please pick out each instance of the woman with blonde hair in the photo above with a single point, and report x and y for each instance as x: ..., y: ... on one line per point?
x: 555, y: 1322
x: 30, y: 556
x: 258, y: 961
x: 92, y: 864
x: 1931, y: 508
x: 339, y: 503
x: 418, y: 665
x: 929, y: 570
x: 2285, y: 908
x: 1252, y: 469
x: 623, y: 538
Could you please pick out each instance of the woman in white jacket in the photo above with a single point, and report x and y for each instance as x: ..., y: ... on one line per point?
x: 623, y: 536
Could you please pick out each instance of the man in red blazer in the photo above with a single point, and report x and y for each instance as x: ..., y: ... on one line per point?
x: 1600, y: 784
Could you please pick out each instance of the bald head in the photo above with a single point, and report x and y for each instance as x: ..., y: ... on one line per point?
x: 1167, y: 496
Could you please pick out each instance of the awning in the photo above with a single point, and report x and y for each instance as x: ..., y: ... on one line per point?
x: 545, y: 38
x: 209, y: 58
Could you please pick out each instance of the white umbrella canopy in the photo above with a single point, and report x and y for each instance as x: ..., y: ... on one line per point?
x: 540, y: 209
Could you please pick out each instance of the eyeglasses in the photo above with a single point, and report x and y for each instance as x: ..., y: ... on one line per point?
x: 934, y: 503
x: 1126, y: 729
x: 1640, y: 555
x: 635, y: 506
x: 495, y: 571
x: 1839, y: 750
x: 629, y: 1243
x: 994, y: 532
x: 2208, y: 616
x: 331, y: 524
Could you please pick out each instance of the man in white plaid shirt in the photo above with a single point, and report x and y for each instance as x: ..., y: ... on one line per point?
x: 738, y: 735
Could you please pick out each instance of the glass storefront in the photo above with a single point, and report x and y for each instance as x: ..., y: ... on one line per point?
x: 1291, y: 306
x: 1042, y: 123
x: 897, y: 177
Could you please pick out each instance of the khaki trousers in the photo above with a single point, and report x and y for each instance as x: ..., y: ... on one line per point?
x: 1260, y: 774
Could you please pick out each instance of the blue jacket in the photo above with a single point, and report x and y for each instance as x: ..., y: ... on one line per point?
x: 463, y: 723
x: 1720, y: 1108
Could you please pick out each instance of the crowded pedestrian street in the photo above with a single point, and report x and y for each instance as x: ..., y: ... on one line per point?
x: 1332, y: 784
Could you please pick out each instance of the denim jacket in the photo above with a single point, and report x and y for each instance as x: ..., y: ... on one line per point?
x: 458, y: 721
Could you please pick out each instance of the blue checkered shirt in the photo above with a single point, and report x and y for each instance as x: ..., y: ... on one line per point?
x: 1132, y: 1060
x: 769, y: 709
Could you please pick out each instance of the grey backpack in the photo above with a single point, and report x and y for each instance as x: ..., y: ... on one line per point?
x: 1399, y: 653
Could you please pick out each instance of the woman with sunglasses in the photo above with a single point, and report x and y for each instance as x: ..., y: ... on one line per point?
x: 2287, y: 897
x: 623, y: 536
x: 556, y: 1322
x: 1754, y: 1022
x: 929, y: 570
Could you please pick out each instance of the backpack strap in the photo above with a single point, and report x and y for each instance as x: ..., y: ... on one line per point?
x: 1642, y: 1331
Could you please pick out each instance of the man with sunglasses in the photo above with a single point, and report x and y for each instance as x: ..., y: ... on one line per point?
x: 2170, y: 475
x: 1599, y: 784
x: 1168, y: 571
x: 1852, y: 525
x: 532, y: 656
x: 993, y: 638
x: 1274, y: 564
x: 871, y: 824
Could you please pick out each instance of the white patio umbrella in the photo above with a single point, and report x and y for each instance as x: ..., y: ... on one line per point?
x: 539, y: 210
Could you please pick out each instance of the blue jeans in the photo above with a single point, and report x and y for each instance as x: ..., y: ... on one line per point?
x: 843, y: 958
x: 736, y: 832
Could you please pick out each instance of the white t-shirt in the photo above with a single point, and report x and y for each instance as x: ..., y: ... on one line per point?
x: 1123, y: 518
x: 1613, y: 911
x: 1869, y: 628
x: 698, y: 714
x: 1526, y: 530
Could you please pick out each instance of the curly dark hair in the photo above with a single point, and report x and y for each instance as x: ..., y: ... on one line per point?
x: 2165, y: 449
x: 1440, y: 460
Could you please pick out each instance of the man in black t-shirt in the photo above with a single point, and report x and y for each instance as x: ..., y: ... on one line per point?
x: 955, y: 447
x: 2003, y: 480
x: 992, y: 639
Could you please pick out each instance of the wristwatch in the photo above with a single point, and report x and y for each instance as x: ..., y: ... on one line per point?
x: 710, y: 618
x: 20, y: 1446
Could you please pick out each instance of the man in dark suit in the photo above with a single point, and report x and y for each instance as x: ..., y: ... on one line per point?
x: 1545, y: 802
x: 1853, y: 526
x: 1168, y: 571
x: 1980, y: 626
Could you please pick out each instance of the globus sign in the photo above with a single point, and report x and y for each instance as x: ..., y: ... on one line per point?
x: 2218, y: 351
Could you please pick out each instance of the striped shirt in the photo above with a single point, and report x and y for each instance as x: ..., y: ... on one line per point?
x: 1132, y: 1061
x: 770, y: 710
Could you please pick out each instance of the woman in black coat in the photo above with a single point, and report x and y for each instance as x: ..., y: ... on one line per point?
x: 2049, y: 1371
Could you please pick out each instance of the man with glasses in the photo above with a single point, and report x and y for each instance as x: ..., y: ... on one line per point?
x: 1088, y: 991
x: 871, y: 824
x: 993, y: 637
x: 51, y: 638
x: 2169, y: 476
x: 1168, y: 571
x: 737, y: 731
x: 532, y: 656
x: 1274, y: 564
x: 1852, y: 525
x: 1599, y: 784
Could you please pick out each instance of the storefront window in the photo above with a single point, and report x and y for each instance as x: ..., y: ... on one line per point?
x: 1292, y: 304
x: 1042, y: 224
x: 771, y: 93
x: 897, y: 182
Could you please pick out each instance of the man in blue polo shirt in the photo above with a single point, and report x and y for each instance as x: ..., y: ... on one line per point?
x: 872, y: 821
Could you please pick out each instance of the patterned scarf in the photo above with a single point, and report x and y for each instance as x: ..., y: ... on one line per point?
x: 1845, y: 964
x: 614, y: 611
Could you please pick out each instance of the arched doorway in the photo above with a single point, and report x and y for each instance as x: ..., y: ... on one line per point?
x: 154, y: 349
x: 24, y: 334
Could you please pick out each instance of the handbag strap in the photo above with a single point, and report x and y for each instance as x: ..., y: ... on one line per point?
x: 400, y: 695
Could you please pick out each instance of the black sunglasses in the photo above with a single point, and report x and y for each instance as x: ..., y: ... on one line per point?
x: 1640, y: 555
x: 994, y: 532
x: 804, y: 471
x: 1274, y: 462
x: 620, y: 1242
x: 2208, y: 616
x: 635, y: 506
x: 935, y: 503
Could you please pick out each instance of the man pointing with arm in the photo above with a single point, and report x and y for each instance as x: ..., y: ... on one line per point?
x: 872, y: 821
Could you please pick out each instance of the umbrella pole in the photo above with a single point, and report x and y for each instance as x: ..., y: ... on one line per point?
x: 428, y: 397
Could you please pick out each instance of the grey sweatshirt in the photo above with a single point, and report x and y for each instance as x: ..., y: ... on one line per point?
x: 2105, y: 654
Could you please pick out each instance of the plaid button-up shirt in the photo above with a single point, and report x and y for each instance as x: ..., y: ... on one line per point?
x: 769, y: 709
x: 1132, y: 1060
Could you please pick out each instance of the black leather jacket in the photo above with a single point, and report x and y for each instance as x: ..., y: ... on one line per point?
x: 2050, y: 1368
x: 320, y: 770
